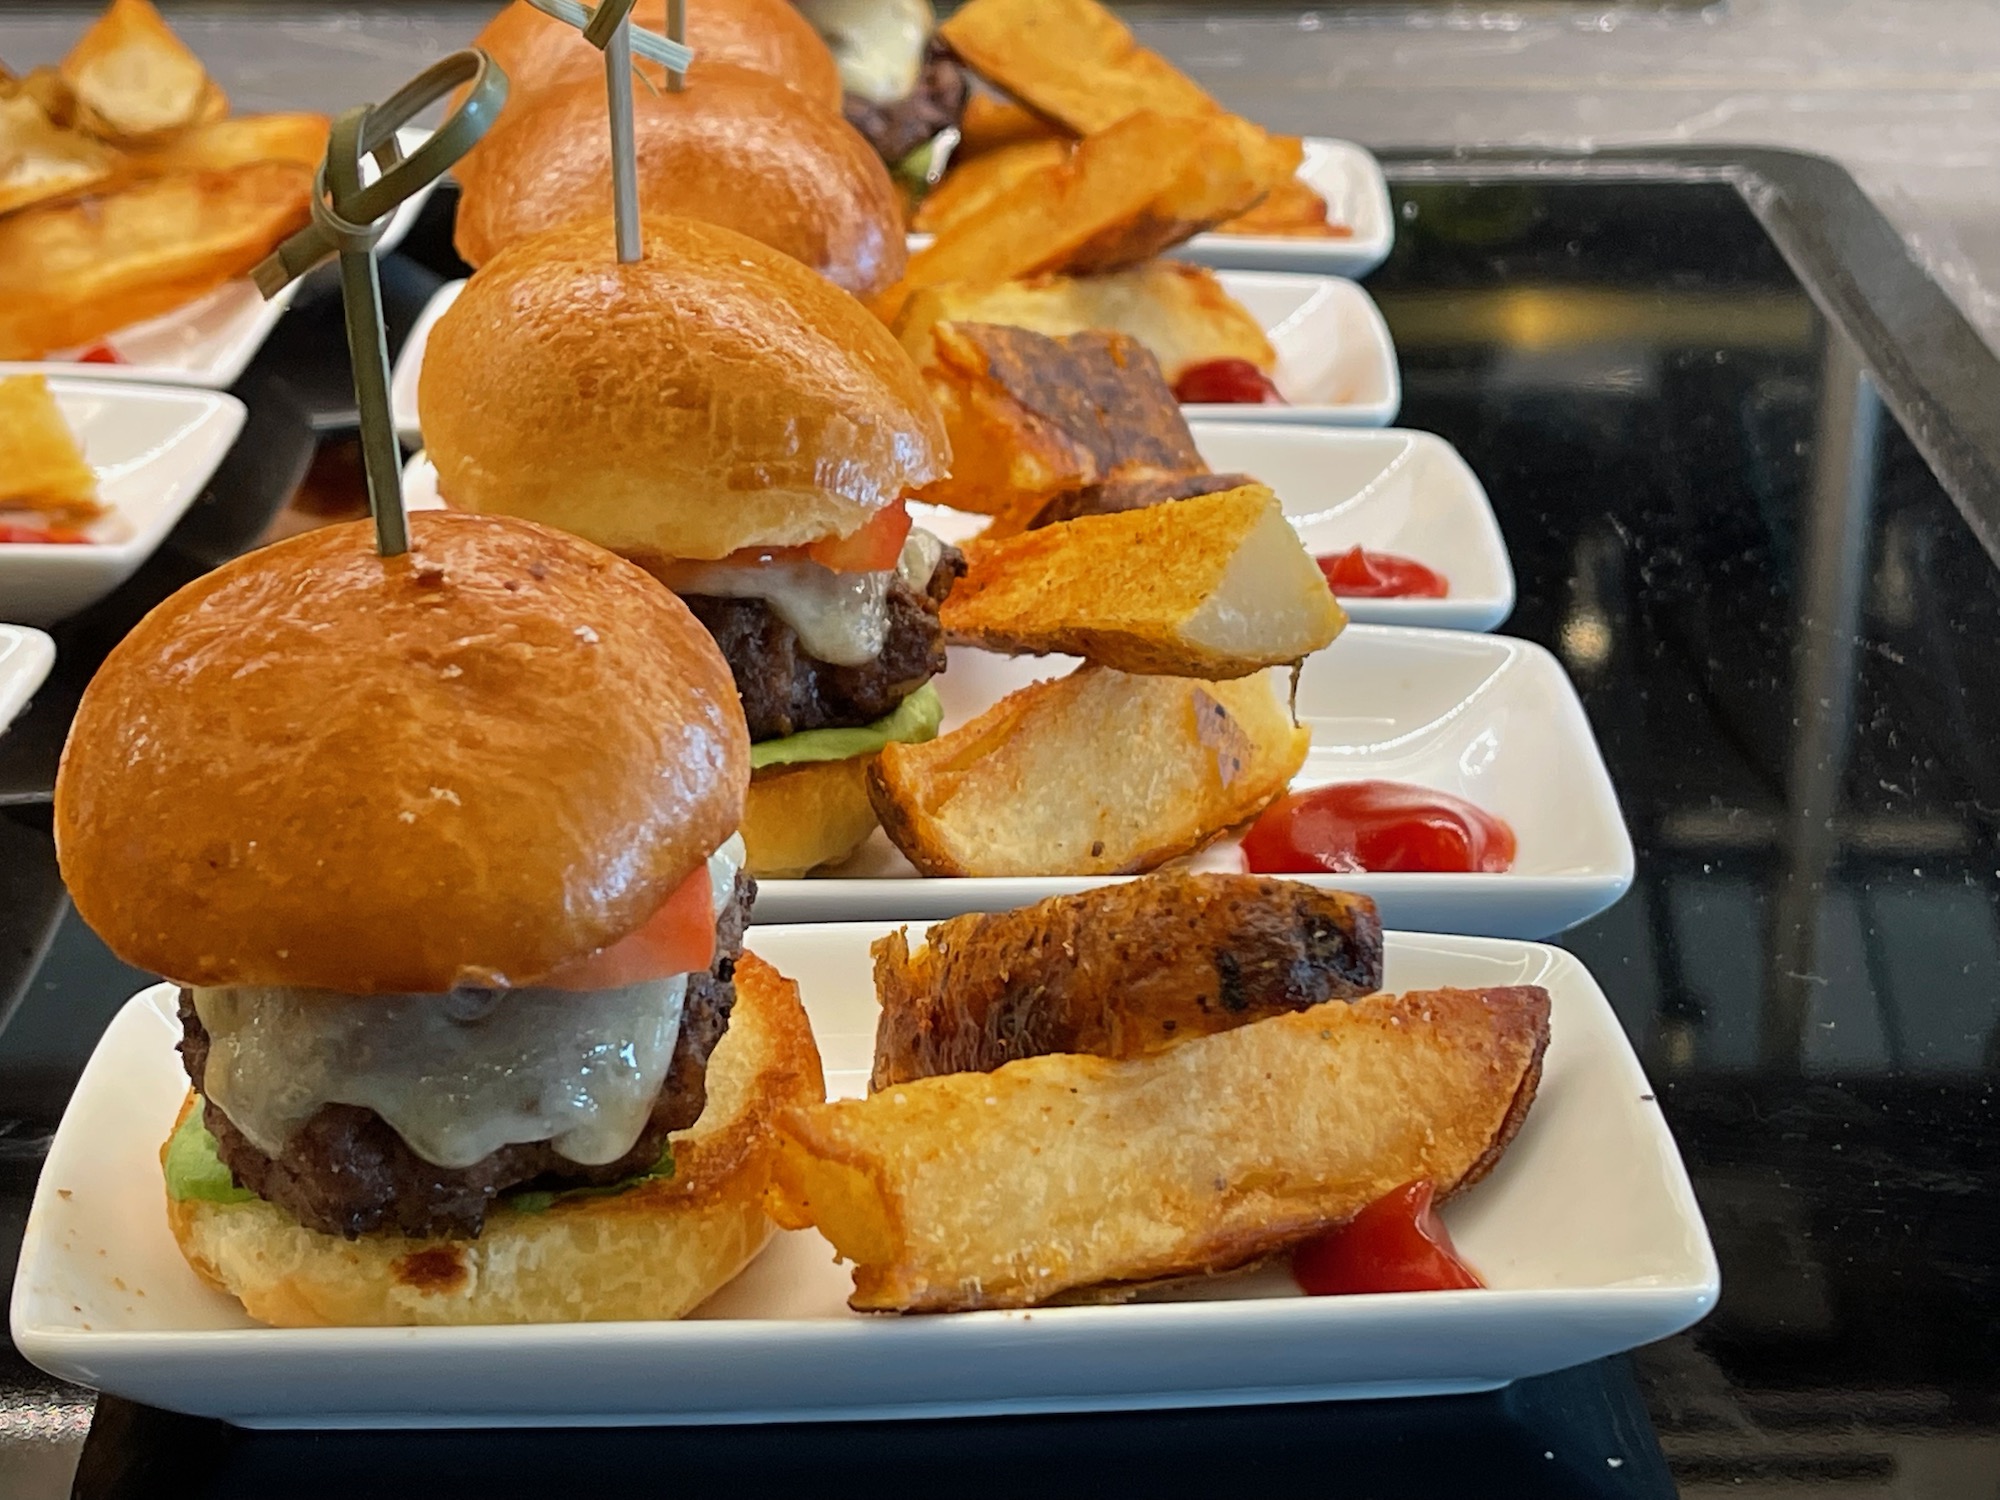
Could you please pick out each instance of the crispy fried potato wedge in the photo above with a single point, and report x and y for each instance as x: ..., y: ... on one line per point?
x: 1004, y: 1189
x: 223, y: 144
x: 73, y: 273
x: 989, y: 123
x: 1124, y: 970
x: 1290, y: 208
x: 46, y: 87
x: 1071, y: 61
x: 39, y: 160
x: 970, y: 186
x: 1216, y: 586
x: 1178, y: 311
x: 1030, y: 417
x: 1096, y: 773
x: 135, y: 81
x: 1114, y: 496
x: 41, y: 466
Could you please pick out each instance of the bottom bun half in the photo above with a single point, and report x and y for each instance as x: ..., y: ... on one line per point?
x: 654, y: 1251
x: 800, y: 817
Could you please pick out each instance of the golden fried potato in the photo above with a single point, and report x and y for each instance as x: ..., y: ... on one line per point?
x: 1096, y: 773
x: 1178, y: 311
x: 1217, y: 586
x: 222, y: 144
x: 46, y: 87
x: 75, y: 272
x: 1004, y: 1189
x: 1030, y: 417
x: 1071, y: 61
x: 41, y: 466
x: 39, y: 160
x: 969, y: 186
x: 1123, y: 970
x: 135, y: 81
x: 989, y: 123
x: 1291, y: 208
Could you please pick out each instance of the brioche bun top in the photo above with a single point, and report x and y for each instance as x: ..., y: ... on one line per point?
x: 767, y: 36
x: 734, y: 148
x: 710, y: 396
x: 316, y: 766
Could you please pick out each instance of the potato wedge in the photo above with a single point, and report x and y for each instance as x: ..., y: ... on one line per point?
x: 1071, y: 61
x: 990, y: 123
x: 39, y: 160
x: 41, y: 466
x: 1004, y: 1189
x: 46, y: 87
x: 223, y: 144
x: 135, y: 81
x: 1030, y: 417
x: 1290, y: 208
x: 1096, y: 773
x: 72, y: 273
x: 1216, y: 586
x: 1178, y: 311
x: 971, y: 185
x: 1124, y: 970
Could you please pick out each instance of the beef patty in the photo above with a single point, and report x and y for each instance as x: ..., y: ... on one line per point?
x: 897, y: 128
x: 785, y: 691
x: 347, y: 1172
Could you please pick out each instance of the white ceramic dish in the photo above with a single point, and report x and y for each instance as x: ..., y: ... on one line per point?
x: 153, y: 448
x: 25, y: 658
x: 1486, y: 718
x: 1336, y: 363
x: 1586, y: 1232
x: 211, y: 340
x: 1390, y: 491
x: 1357, y: 196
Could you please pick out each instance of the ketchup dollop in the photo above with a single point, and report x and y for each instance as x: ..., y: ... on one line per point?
x: 1234, y: 382
x: 1383, y: 826
x: 100, y: 354
x: 1358, y: 573
x: 34, y: 531
x: 1395, y: 1244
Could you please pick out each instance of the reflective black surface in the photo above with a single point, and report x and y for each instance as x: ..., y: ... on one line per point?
x: 1783, y: 628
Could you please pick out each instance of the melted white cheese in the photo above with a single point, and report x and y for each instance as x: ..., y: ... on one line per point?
x: 842, y: 618
x: 879, y: 44
x: 457, y: 1076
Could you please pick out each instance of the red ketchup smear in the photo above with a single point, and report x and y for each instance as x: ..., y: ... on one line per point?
x: 1383, y: 826
x: 1358, y: 573
x: 1395, y: 1244
x: 29, y: 531
x: 1233, y: 382
x: 100, y: 354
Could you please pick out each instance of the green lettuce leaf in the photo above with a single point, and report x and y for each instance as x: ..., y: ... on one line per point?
x: 915, y: 720
x: 193, y: 1169
x: 542, y: 1202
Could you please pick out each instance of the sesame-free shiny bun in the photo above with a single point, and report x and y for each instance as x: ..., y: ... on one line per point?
x: 316, y: 766
x: 734, y: 148
x: 712, y: 395
x: 537, y: 51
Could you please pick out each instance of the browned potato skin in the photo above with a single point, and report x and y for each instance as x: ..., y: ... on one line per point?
x: 1120, y: 971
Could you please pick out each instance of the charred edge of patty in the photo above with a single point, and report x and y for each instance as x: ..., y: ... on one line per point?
x: 346, y: 1172
x: 786, y: 691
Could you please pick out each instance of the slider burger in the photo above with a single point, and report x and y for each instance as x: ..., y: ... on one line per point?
x: 441, y: 850
x: 746, y: 432
x: 735, y: 148
x: 902, y: 86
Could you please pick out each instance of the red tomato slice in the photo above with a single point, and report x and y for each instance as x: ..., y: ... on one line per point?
x: 1395, y: 1244
x: 872, y: 549
x: 679, y: 938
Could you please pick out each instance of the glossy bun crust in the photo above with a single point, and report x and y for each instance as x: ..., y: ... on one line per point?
x: 767, y: 36
x: 316, y: 766
x: 735, y: 148
x: 713, y: 395
x: 654, y: 1251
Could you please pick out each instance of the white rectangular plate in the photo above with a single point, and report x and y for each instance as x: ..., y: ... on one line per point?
x: 1486, y: 718
x: 153, y: 448
x: 209, y: 341
x: 1586, y: 1232
x: 1391, y: 490
x: 1356, y: 194
x: 1336, y: 362
x: 25, y: 658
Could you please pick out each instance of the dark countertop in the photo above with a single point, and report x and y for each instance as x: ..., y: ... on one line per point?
x: 1783, y: 627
